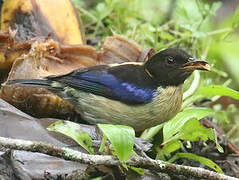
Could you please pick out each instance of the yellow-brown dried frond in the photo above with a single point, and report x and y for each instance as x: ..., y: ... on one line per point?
x: 36, y: 18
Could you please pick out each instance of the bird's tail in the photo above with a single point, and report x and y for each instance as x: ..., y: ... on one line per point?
x: 41, y: 83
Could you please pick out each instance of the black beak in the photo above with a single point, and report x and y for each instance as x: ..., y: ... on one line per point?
x: 196, y: 65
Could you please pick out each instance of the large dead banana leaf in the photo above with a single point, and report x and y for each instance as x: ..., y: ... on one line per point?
x: 27, y: 19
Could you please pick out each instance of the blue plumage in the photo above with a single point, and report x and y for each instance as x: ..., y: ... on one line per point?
x: 108, y: 85
x: 131, y: 92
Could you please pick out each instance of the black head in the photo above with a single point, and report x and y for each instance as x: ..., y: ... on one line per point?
x: 173, y: 66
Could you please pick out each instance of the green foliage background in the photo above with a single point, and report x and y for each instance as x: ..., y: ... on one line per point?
x: 194, y: 27
x: 189, y: 24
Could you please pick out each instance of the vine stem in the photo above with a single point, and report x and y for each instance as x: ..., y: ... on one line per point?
x: 136, y: 161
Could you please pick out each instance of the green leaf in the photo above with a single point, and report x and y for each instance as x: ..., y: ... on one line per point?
x: 97, y: 178
x: 73, y: 131
x: 235, y: 21
x: 194, y: 131
x: 103, y: 142
x: 140, y: 171
x: 167, y: 149
x: 215, y: 6
x: 151, y: 132
x: 167, y: 36
x: 171, y: 147
x: 175, y: 125
x: 186, y: 126
x: 218, y: 90
x: 121, y: 138
x: 200, y: 159
x: 191, y: 100
x: 210, y: 91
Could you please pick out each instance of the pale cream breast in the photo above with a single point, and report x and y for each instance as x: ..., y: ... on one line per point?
x: 98, y: 109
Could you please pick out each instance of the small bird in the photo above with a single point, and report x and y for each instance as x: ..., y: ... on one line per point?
x: 140, y: 95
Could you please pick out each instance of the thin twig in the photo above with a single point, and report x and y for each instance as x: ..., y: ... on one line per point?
x: 135, y: 161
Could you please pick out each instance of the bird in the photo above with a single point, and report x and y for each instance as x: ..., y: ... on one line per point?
x: 136, y: 94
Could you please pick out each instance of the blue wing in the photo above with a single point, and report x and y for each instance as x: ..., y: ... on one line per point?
x: 100, y: 82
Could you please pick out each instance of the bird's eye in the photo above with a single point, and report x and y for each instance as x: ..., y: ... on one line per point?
x: 170, y: 60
